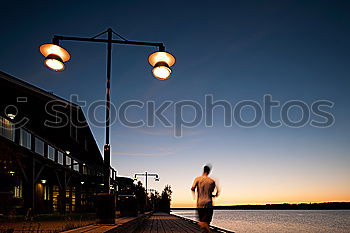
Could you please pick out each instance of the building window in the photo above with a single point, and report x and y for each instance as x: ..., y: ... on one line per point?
x: 17, y: 192
x: 60, y: 157
x: 25, y: 139
x: 39, y: 146
x: 51, y: 152
x: 70, y: 195
x: 47, y: 193
x: 75, y: 165
x: 55, y: 195
x: 7, y: 129
x: 85, y: 169
x: 68, y: 161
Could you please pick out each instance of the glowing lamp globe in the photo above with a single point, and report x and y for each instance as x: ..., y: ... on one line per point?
x: 55, y: 56
x: 161, y: 72
x: 161, y: 61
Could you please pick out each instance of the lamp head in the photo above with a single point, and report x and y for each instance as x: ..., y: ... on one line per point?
x: 161, y: 61
x: 55, y: 56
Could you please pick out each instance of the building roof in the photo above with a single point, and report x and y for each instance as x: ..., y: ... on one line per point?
x: 81, y: 144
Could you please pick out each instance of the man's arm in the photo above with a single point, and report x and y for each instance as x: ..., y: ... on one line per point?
x: 217, y: 191
x: 193, y: 188
x: 194, y: 185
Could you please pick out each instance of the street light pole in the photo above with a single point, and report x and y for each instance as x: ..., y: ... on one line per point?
x: 107, y: 147
x: 146, y: 182
x: 56, y: 56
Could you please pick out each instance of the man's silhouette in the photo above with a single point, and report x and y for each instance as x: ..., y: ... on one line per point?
x: 205, y: 187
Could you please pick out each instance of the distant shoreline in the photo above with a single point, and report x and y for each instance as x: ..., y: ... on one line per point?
x: 285, y: 206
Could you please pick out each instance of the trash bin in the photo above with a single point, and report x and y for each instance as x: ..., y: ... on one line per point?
x: 127, y: 205
x: 105, y: 208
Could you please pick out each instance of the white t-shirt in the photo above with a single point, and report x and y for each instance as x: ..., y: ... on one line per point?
x: 205, y: 188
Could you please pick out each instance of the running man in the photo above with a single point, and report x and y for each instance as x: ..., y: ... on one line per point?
x: 205, y: 187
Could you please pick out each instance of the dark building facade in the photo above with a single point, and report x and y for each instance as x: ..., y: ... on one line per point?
x: 49, y: 159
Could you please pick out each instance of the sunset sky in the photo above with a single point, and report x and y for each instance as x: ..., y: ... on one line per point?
x: 234, y: 50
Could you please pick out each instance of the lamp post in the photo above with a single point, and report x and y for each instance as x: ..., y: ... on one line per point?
x: 146, y: 174
x: 56, y: 56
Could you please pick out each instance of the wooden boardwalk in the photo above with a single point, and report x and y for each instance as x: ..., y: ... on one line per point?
x: 165, y: 223
x: 156, y: 223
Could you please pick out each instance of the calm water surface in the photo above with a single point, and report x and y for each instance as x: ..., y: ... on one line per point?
x: 280, y: 221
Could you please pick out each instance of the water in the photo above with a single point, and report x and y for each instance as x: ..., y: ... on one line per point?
x: 280, y: 221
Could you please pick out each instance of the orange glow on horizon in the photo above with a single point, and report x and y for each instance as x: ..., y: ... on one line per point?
x: 267, y: 196
x: 193, y: 205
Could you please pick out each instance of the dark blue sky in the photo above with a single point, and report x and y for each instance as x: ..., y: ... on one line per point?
x: 235, y: 50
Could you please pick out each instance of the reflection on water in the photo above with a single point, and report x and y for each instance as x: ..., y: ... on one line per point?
x: 281, y: 221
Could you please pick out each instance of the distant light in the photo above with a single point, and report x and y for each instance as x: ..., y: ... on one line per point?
x: 102, y: 184
x: 11, y: 111
x: 11, y: 116
x: 55, y: 56
x: 82, y: 182
x: 43, y: 181
x: 161, y: 61
x: 12, y: 172
x: 67, y: 152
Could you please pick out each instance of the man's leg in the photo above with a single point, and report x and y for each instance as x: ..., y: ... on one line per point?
x: 201, y: 218
x: 208, y: 217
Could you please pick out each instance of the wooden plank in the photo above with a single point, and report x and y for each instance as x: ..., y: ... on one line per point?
x: 167, y: 228
x: 184, y: 226
x: 148, y: 226
x: 165, y: 223
x: 174, y: 224
x: 161, y: 219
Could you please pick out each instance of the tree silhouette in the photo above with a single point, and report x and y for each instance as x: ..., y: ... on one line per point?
x: 165, y: 199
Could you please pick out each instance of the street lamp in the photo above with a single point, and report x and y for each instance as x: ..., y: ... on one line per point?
x: 56, y: 56
x: 161, y: 61
x: 146, y: 174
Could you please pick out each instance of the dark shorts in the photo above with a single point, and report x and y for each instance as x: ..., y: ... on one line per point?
x: 205, y: 214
